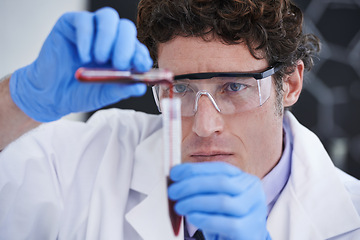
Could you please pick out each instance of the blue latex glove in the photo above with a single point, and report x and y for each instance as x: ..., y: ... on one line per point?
x: 46, y: 90
x: 221, y: 200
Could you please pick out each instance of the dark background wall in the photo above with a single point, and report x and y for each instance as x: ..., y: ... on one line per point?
x: 330, y: 102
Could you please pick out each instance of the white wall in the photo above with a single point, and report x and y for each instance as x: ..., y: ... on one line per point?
x: 24, y: 25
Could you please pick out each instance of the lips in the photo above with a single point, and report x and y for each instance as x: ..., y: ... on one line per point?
x: 210, y: 156
x: 214, y: 148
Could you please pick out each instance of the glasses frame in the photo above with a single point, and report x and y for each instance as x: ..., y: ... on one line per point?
x: 208, y: 75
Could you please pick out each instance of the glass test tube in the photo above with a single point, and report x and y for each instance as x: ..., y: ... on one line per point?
x: 102, y: 75
x: 171, y: 112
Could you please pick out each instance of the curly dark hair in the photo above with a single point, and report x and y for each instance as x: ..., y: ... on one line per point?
x: 271, y: 29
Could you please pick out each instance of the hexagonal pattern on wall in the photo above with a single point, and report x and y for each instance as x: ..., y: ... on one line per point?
x: 330, y: 102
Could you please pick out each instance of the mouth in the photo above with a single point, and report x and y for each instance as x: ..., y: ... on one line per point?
x: 206, y: 157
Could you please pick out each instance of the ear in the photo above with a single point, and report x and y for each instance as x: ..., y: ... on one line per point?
x: 292, y: 85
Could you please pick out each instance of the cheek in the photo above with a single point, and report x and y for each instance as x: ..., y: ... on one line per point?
x: 186, y: 124
x: 187, y: 135
x: 256, y: 129
x: 242, y: 127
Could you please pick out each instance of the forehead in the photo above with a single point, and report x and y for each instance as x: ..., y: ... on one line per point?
x: 191, y: 55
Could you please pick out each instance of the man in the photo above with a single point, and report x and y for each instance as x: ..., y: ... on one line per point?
x: 237, y: 65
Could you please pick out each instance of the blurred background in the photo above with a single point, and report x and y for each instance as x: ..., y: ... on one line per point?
x: 329, y: 104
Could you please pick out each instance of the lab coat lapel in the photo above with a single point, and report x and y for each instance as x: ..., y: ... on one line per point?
x: 150, y: 217
x: 314, y: 204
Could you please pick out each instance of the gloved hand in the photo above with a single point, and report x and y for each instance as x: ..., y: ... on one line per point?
x: 46, y: 90
x: 221, y: 200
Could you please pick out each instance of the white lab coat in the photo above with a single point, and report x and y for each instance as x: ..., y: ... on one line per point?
x: 104, y: 180
x: 319, y: 201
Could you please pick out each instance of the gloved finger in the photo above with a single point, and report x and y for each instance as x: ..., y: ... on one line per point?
x: 124, y: 48
x: 230, y: 227
x: 141, y: 61
x: 212, y: 236
x: 106, y: 21
x: 66, y: 26
x: 186, y: 170
x: 214, y: 224
x: 211, y: 204
x: 222, y: 204
x: 84, y: 26
x: 211, y: 184
x: 78, y: 28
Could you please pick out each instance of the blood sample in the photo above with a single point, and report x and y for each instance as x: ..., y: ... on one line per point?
x: 103, y: 75
x: 174, y: 217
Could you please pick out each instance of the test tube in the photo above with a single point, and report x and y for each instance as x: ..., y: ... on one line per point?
x: 171, y: 115
x: 103, y: 75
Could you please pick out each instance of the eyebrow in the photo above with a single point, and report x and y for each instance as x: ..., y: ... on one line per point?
x: 208, y: 75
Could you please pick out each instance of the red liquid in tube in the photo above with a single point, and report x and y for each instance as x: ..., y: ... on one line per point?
x: 106, y: 75
x: 171, y: 92
x: 174, y: 217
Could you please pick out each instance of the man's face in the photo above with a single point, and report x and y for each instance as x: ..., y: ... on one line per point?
x: 250, y: 140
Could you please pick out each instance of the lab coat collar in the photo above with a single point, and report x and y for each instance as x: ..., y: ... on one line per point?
x: 314, y: 204
x: 150, y: 217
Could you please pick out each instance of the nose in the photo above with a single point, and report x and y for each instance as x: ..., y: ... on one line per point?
x: 207, y: 118
x: 201, y: 93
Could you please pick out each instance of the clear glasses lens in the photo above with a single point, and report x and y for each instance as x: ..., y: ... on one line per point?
x: 229, y: 95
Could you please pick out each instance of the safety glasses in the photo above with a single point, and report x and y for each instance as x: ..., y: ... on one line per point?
x: 229, y: 92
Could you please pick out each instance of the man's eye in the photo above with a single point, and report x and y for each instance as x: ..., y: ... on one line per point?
x: 180, y: 88
x: 234, y: 87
